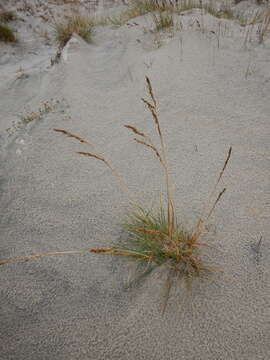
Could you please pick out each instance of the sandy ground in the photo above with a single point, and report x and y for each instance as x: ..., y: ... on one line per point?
x: 210, y: 98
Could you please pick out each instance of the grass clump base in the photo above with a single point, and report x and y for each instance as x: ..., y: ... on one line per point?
x: 6, y: 34
x: 149, y: 241
x: 80, y: 25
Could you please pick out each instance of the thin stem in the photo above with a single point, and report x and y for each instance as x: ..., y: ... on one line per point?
x: 153, y: 110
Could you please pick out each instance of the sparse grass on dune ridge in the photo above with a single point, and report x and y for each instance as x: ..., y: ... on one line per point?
x: 81, y: 25
x: 154, y: 239
x: 142, y: 7
x: 155, y: 7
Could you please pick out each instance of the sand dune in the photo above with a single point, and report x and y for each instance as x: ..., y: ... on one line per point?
x: 210, y: 98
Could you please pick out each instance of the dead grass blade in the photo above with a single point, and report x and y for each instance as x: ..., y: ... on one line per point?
x: 148, y: 231
x: 155, y: 117
x: 150, y: 90
x: 76, y: 252
x: 136, y: 131
x: 203, y: 217
x: 215, y: 203
x: 70, y: 134
x: 98, y: 157
x: 151, y: 147
x: 224, y: 166
x: 122, y: 252
x: 201, y: 223
x: 38, y: 256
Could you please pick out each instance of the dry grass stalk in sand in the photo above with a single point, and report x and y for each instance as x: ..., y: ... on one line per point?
x: 38, y: 256
x: 155, y: 239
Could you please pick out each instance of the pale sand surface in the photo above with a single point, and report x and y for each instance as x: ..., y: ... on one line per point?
x: 78, y: 307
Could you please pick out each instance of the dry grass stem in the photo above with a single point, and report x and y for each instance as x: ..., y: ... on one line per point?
x: 150, y: 89
x: 77, y: 137
x: 121, y: 252
x: 98, y: 157
x: 152, y: 108
x: 151, y: 147
x: 215, y: 203
x: 136, y: 131
x: 223, y: 169
x: 203, y: 218
x: 147, y: 231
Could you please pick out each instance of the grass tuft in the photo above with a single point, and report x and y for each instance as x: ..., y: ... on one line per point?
x: 163, y: 20
x: 6, y: 34
x: 81, y: 25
